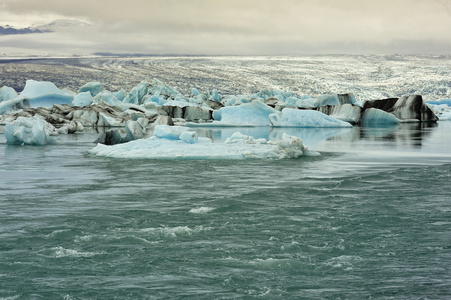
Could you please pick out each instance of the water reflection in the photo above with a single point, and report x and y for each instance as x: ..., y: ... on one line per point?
x: 410, y: 135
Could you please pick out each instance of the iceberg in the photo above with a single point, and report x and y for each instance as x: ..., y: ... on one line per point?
x: 408, y: 109
x: 442, y: 108
x: 137, y: 93
x: 289, y: 117
x: 83, y: 99
x: 44, y: 94
x: 376, y: 117
x: 345, y: 112
x: 442, y: 111
x: 109, y: 98
x: 169, y: 132
x: 30, y: 131
x: 9, y: 106
x: 7, y: 93
x: 255, y: 113
x: 94, y: 88
x: 322, y: 100
x: 441, y: 102
x: 190, y: 137
x: 189, y: 146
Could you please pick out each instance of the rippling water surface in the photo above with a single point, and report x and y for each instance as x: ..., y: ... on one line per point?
x: 368, y: 219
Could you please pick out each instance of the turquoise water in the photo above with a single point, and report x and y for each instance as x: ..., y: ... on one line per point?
x: 368, y: 219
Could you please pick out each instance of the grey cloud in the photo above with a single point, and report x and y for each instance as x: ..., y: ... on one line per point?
x: 252, y: 26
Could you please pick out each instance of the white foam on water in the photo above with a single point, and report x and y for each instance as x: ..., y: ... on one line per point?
x: 11, y: 298
x: 62, y: 252
x: 201, y: 210
x: 344, y: 261
x: 174, y: 231
x: 56, y: 232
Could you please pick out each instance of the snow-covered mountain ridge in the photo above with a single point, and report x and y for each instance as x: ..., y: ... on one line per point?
x: 53, y: 26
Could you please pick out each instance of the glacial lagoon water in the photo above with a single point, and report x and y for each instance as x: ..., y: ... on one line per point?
x: 368, y: 219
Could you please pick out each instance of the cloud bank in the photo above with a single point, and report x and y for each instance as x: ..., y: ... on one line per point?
x: 233, y: 27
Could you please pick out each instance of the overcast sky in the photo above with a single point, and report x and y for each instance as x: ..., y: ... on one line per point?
x: 232, y: 27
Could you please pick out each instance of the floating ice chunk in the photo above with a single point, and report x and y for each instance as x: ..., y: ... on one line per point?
x: 345, y: 112
x: 83, y: 99
x: 241, y: 147
x: 442, y: 108
x: 169, y: 132
x: 441, y: 102
x: 238, y: 137
x: 249, y: 114
x: 163, y: 89
x: 12, y: 105
x: 109, y: 98
x: 319, y: 101
x: 94, y: 88
x: 155, y: 99
x: 291, y: 146
x: 407, y: 109
x: 135, y: 129
x: 34, y: 89
x: 292, y: 101
x: 190, y: 137
x: 194, y: 92
x: 324, y: 100
x: 7, y: 93
x: 289, y: 117
x: 120, y: 95
x: 44, y: 94
x: 377, y: 117
x: 307, y: 103
x: 137, y: 93
x: 29, y: 131
x: 215, y: 96
x: 442, y: 111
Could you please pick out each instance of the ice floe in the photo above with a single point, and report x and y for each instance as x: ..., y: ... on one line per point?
x: 165, y: 145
